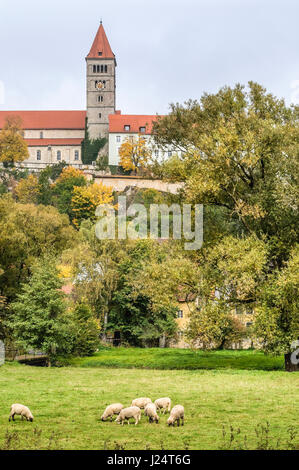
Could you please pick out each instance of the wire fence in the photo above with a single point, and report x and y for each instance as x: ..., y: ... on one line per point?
x: 21, y: 355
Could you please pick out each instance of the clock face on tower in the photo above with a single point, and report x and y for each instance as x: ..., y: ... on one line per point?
x: 100, y: 85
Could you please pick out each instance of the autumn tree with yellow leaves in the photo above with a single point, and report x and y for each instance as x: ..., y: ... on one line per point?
x: 27, y: 190
x: 13, y: 147
x: 134, y: 153
x: 85, y: 201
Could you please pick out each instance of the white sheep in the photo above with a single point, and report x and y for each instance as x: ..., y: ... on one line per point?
x: 127, y: 413
x: 111, y: 410
x: 151, y: 411
x: 141, y: 402
x: 176, y: 414
x: 164, y: 404
x: 21, y: 410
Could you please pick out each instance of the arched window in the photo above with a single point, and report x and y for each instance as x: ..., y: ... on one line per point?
x: 100, y: 115
x: 58, y: 155
x: 106, y: 68
x: 38, y: 155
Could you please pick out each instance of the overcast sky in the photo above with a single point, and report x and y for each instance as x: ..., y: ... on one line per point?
x: 167, y: 50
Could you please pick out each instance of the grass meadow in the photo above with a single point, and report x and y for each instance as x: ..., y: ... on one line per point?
x: 67, y: 403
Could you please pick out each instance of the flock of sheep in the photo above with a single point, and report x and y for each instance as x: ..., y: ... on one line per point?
x: 123, y: 414
x: 150, y: 409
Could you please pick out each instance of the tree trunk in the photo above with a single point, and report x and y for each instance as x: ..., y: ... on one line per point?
x: 291, y: 365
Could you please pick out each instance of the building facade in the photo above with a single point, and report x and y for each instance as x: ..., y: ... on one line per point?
x: 54, y: 136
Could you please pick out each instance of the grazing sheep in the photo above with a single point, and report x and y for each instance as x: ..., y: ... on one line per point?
x: 163, y: 403
x: 21, y: 410
x: 151, y: 411
x: 176, y: 414
x: 141, y: 402
x: 127, y: 413
x: 111, y: 410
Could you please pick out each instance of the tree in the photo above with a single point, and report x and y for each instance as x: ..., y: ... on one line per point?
x: 63, y: 188
x: 46, y: 179
x: 27, y: 190
x: 40, y: 320
x: 91, y: 147
x: 13, y: 148
x: 214, y: 327
x: 240, y: 152
x: 277, y: 320
x: 85, y: 201
x: 27, y: 232
x: 86, y: 330
x: 134, y: 153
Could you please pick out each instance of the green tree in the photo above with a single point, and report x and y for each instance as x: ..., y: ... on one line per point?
x: 86, y: 330
x: 63, y: 188
x: 277, y: 320
x: 40, y: 321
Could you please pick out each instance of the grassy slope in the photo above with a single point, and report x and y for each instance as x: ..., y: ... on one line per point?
x: 156, y: 358
x: 69, y: 401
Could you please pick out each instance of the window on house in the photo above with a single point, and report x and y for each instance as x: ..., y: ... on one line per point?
x: 76, y: 155
x: 170, y: 153
x: 58, y: 155
x: 38, y: 155
x: 180, y: 314
x: 157, y: 153
x: 41, y: 135
x: 118, y: 139
x: 100, y: 99
x: 127, y: 127
x: 142, y: 129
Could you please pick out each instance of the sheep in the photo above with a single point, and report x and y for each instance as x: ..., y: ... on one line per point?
x: 176, y: 414
x: 141, y: 402
x: 22, y: 410
x: 163, y: 403
x: 111, y: 410
x: 151, y: 411
x: 127, y: 413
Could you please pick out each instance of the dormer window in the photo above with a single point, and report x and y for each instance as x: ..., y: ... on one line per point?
x: 142, y: 129
x: 127, y: 128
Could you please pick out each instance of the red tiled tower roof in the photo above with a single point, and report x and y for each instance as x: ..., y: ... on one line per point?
x: 101, y: 48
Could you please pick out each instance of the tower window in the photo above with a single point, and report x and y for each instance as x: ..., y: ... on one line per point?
x: 106, y: 68
x: 127, y: 127
x: 100, y: 53
x: 100, y: 99
x: 58, y: 155
x: 100, y: 115
x: 38, y: 155
x: 76, y: 155
x: 94, y: 69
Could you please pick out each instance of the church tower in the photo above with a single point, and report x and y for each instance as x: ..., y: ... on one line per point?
x: 100, y: 80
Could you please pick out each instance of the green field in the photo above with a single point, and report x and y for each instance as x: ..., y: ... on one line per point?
x: 67, y: 404
x: 170, y: 358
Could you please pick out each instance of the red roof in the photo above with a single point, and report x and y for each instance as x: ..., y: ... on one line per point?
x: 117, y: 123
x: 52, y: 142
x: 101, y: 48
x: 47, y: 119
